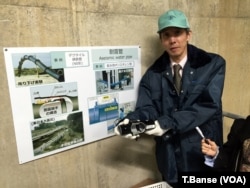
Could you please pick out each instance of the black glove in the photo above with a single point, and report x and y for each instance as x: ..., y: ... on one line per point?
x: 133, y: 128
x: 118, y: 131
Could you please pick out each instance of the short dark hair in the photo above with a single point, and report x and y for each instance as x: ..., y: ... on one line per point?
x: 186, y: 29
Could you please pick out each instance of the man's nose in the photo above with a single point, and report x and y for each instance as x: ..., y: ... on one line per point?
x: 172, y: 39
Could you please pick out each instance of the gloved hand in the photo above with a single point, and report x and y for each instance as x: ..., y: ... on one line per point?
x: 125, y: 122
x: 157, y: 131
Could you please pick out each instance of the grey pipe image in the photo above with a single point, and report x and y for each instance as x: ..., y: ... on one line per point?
x: 46, y: 69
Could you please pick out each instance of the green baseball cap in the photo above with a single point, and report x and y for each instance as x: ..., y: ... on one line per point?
x: 172, y: 18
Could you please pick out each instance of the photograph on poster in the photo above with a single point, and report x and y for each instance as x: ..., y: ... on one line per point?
x: 111, y: 80
x: 54, y: 133
x: 51, y: 100
x: 125, y: 108
x: 35, y: 69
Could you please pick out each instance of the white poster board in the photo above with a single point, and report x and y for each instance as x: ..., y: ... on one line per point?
x: 66, y: 97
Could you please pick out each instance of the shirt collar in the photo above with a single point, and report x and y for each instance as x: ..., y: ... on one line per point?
x: 181, y: 63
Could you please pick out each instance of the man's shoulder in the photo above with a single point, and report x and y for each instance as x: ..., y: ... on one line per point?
x: 161, y: 63
x: 199, y: 57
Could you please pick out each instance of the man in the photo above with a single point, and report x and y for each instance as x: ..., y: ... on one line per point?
x: 176, y: 113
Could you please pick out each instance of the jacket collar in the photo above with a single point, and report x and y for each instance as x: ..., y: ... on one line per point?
x: 197, y: 57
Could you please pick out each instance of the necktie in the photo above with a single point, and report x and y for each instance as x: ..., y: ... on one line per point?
x: 177, y: 78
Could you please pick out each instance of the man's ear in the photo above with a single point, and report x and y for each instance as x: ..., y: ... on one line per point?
x: 189, y: 35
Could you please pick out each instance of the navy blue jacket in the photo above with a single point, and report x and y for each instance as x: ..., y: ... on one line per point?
x: 199, y: 104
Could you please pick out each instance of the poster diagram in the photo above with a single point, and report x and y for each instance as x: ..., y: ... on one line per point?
x: 103, y: 108
x: 56, y: 99
x: 66, y: 97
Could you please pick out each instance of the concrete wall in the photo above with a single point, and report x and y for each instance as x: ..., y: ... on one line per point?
x: 220, y: 26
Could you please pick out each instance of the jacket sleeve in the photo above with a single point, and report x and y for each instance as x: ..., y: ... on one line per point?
x: 145, y: 108
x: 227, y: 160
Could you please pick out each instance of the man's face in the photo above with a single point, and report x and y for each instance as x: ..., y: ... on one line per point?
x: 175, y: 40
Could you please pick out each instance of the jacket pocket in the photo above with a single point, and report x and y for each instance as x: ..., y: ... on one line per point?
x: 196, y: 89
x: 157, y: 99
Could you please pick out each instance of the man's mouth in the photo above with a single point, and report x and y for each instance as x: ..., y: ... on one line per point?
x: 173, y: 48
